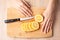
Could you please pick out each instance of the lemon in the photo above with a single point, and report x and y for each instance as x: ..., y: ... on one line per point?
x: 38, y: 18
x: 24, y: 27
x: 29, y: 25
x: 35, y: 25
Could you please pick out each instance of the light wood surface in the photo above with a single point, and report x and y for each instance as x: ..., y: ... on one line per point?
x: 14, y: 29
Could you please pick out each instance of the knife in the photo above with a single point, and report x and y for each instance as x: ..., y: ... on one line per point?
x: 18, y: 19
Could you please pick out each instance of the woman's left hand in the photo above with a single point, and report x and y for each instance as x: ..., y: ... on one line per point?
x: 48, y: 21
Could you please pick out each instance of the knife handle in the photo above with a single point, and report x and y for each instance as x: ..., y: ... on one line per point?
x: 12, y: 20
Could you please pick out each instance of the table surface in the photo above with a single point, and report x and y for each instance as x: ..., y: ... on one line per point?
x: 3, y: 34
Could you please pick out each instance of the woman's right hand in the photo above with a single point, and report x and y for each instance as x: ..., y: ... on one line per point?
x: 24, y: 7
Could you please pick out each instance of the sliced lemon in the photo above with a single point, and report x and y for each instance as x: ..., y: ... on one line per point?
x: 30, y: 27
x: 34, y: 26
x: 24, y: 27
x: 27, y: 27
x: 38, y: 18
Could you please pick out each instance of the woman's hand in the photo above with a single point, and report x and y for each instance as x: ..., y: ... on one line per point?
x: 24, y: 7
x: 49, y: 16
x: 48, y: 21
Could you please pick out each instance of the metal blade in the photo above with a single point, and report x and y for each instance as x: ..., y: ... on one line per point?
x: 27, y: 18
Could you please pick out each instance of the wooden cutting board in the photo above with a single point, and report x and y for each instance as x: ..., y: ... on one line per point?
x: 13, y: 29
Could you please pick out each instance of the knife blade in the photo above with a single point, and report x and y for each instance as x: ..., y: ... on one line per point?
x: 18, y: 19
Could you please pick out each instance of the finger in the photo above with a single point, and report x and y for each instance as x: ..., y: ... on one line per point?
x: 26, y: 3
x: 52, y: 18
x: 27, y: 6
x: 20, y: 9
x: 46, y: 26
x: 27, y: 10
x: 49, y: 27
x: 50, y: 24
x: 23, y: 12
x: 43, y: 26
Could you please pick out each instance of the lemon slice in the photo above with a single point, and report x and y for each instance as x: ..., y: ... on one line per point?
x: 24, y: 27
x: 38, y: 18
x: 27, y: 27
x: 30, y: 27
x: 34, y: 25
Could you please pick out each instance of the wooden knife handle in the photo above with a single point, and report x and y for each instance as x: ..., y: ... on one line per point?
x: 12, y: 20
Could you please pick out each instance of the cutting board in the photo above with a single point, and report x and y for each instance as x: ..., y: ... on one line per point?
x: 13, y: 29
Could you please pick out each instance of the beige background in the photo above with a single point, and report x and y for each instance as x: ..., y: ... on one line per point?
x: 3, y: 35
